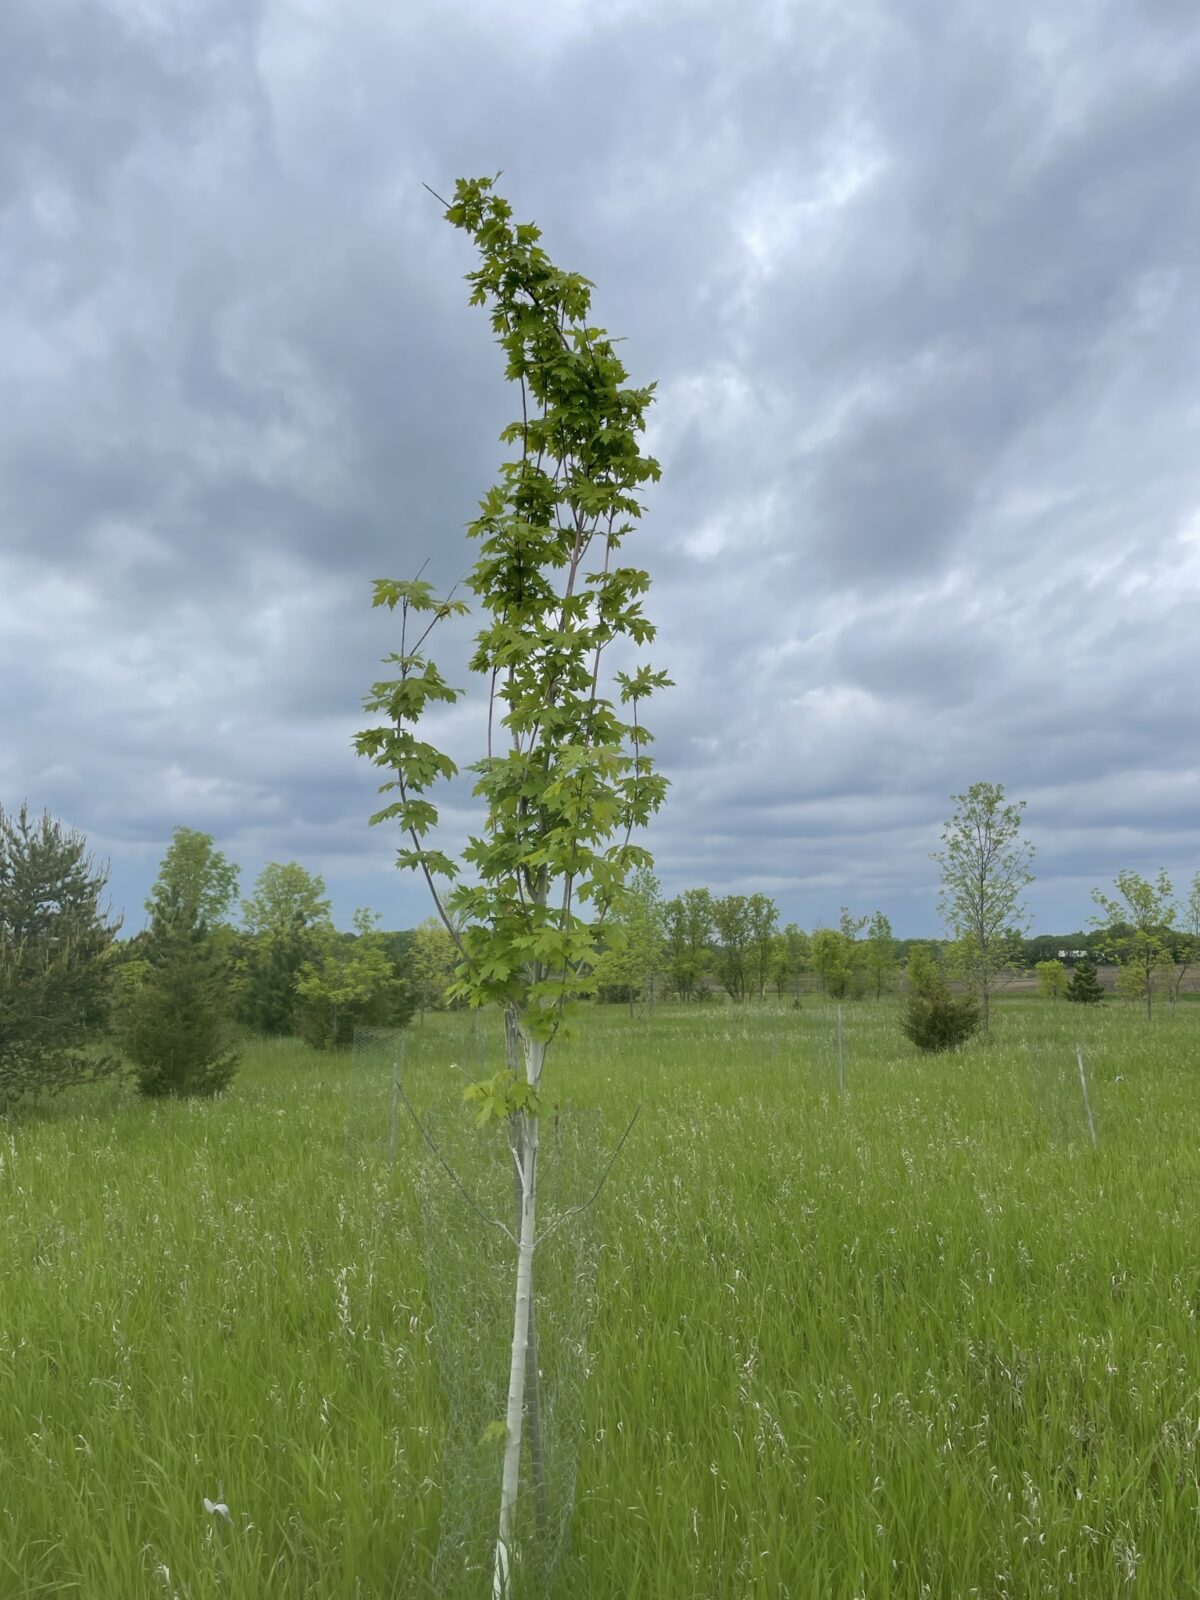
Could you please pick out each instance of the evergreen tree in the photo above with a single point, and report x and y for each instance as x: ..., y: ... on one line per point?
x: 55, y: 965
x: 174, y: 1024
x: 1085, y: 988
x: 268, y: 966
x: 934, y: 1019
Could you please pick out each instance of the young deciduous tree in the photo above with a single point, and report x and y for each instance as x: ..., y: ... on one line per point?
x: 731, y: 919
x: 350, y: 983
x: 285, y: 920
x: 56, y: 943
x: 195, y: 884
x: 922, y: 975
x: 985, y: 870
x: 829, y: 958
x: 432, y: 958
x: 634, y: 958
x: 881, y: 955
x: 1186, y: 945
x: 1138, y: 923
x: 1052, y: 979
x: 789, y: 957
x: 565, y: 777
x: 688, y: 926
x: 286, y: 897
x: 764, y: 919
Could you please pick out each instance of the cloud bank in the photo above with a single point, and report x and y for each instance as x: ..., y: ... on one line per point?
x: 916, y: 286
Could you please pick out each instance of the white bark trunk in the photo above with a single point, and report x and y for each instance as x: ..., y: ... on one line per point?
x: 515, y: 1412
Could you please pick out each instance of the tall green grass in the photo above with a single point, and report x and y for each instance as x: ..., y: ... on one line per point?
x: 916, y: 1338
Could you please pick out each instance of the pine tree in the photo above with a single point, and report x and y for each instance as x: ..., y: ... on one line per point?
x: 1085, y: 988
x: 55, y: 966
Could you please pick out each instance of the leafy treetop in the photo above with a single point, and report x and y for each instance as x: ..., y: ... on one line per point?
x: 566, y: 777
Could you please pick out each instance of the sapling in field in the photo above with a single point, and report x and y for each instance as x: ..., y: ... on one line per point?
x: 564, y: 777
x: 985, y: 870
x: 1139, y: 923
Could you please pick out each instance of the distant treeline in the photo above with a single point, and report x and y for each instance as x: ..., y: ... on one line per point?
x: 170, y: 1002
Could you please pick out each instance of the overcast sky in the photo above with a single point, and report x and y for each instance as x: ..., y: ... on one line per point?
x: 917, y: 281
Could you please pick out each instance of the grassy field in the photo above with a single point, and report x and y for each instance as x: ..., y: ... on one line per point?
x: 910, y: 1337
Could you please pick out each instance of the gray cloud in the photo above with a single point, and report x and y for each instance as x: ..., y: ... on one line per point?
x: 915, y: 286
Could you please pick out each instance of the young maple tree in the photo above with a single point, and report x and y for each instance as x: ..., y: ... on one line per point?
x: 565, y: 778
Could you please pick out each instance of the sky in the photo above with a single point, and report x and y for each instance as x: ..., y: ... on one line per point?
x: 916, y: 282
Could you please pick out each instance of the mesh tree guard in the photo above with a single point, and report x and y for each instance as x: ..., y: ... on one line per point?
x: 372, y: 1102
x: 471, y: 1265
x: 1064, y: 1095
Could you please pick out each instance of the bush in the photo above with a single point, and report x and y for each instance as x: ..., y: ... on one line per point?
x: 934, y: 1019
x: 173, y: 1024
x: 940, y: 1021
x: 616, y: 994
x: 352, y: 982
x: 327, y: 1026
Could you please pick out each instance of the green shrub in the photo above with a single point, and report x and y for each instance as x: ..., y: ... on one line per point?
x: 351, y: 981
x: 934, y: 1019
x: 941, y: 1021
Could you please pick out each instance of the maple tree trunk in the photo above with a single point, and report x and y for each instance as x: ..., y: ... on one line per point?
x: 522, y: 1320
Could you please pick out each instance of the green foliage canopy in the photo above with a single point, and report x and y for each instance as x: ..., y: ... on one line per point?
x: 567, y: 777
x: 1138, y: 920
x: 985, y: 867
x: 196, y: 884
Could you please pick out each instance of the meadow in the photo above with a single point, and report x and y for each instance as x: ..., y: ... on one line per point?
x: 894, y: 1329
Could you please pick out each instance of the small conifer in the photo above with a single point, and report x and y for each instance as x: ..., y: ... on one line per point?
x: 1085, y: 988
x: 934, y: 1019
x: 174, y: 1025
